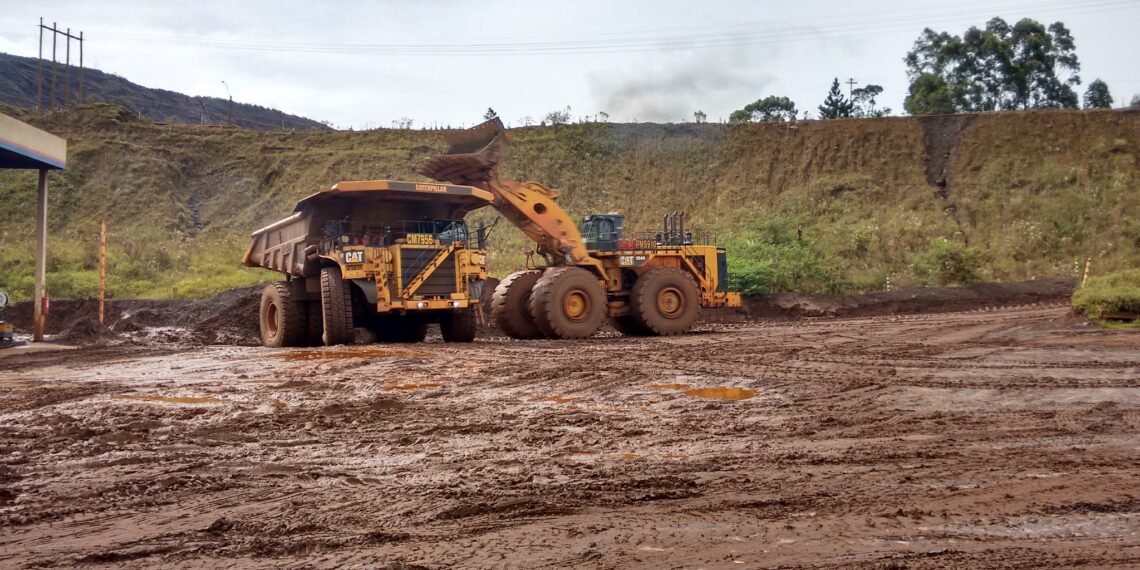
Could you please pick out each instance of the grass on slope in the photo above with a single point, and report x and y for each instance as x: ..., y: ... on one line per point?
x: 831, y: 206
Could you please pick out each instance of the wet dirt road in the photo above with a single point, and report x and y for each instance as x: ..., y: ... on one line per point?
x: 1006, y: 438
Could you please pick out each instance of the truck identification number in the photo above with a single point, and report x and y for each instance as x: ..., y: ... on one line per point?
x: 355, y: 256
x: 633, y: 260
x: 420, y: 239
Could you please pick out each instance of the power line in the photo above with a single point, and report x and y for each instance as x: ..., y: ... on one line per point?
x: 749, y: 34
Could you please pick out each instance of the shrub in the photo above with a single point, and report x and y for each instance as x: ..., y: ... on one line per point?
x: 947, y: 263
x: 1113, y: 293
x: 772, y: 256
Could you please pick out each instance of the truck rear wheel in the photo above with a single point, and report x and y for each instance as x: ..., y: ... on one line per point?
x: 336, y: 307
x: 568, y: 302
x: 281, y: 318
x: 665, y: 301
x: 510, y: 305
x: 458, y: 326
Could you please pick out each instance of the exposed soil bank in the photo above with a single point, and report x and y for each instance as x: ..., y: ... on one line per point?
x: 910, y: 301
x: 231, y: 318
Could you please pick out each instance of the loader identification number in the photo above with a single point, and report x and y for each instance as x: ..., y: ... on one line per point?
x: 421, y: 239
x: 634, y: 260
x: 356, y: 256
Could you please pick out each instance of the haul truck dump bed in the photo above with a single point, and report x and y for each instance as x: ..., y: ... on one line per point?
x: 385, y: 255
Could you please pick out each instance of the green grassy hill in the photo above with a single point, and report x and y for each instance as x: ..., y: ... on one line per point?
x: 18, y: 77
x: 839, y: 206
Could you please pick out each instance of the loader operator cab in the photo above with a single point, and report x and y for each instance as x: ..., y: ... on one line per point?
x: 602, y: 231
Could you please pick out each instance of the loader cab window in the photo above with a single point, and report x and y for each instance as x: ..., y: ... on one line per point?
x: 602, y: 231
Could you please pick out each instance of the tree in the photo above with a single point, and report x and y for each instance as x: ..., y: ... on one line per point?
x: 864, y: 100
x: 1023, y: 66
x: 929, y: 95
x: 1135, y: 103
x: 558, y: 117
x: 490, y: 114
x: 836, y: 106
x: 1097, y: 96
x: 699, y: 116
x: 767, y: 110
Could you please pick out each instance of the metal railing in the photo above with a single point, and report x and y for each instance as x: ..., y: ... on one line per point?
x: 338, y: 234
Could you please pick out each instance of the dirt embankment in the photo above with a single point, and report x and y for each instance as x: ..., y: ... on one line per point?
x: 228, y: 318
x: 910, y: 301
x: 231, y: 318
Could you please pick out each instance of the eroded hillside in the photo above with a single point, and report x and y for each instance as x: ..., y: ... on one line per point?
x: 826, y: 205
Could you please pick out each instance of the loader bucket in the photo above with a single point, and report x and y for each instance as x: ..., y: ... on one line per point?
x: 471, y: 156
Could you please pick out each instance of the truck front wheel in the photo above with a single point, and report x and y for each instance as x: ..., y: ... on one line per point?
x: 458, y: 326
x: 281, y: 318
x: 336, y: 307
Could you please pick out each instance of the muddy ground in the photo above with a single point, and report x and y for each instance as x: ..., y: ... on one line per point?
x: 981, y: 439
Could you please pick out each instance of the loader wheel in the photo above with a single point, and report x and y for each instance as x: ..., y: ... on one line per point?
x: 665, y: 301
x: 336, y: 307
x: 282, y: 319
x: 314, y: 321
x: 628, y: 326
x: 398, y: 328
x: 567, y: 302
x: 458, y: 326
x: 510, y: 305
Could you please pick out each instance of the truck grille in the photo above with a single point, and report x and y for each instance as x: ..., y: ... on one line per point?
x: 440, y: 283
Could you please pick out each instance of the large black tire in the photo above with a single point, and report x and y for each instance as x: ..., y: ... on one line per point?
x: 281, y: 318
x: 628, y: 326
x: 510, y: 305
x: 336, y: 307
x: 568, y: 302
x: 314, y: 324
x: 665, y: 301
x: 398, y: 328
x: 458, y: 326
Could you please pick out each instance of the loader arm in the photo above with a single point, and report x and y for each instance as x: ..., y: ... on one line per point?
x: 530, y: 206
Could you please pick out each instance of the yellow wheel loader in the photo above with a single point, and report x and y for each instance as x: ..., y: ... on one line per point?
x: 648, y: 284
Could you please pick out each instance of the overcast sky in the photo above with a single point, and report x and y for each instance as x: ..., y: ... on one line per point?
x: 363, y: 64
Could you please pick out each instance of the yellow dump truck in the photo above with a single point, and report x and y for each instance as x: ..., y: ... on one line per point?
x: 386, y: 255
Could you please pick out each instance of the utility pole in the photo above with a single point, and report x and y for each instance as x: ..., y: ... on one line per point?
x: 851, y: 83
x: 67, y: 71
x: 54, y: 100
x: 40, y: 70
x: 54, y: 35
x: 230, y: 112
x: 82, y: 99
x: 102, y: 268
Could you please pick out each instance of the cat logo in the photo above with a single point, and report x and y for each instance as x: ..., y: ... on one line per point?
x: 633, y: 260
x: 431, y: 188
x: 355, y: 256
